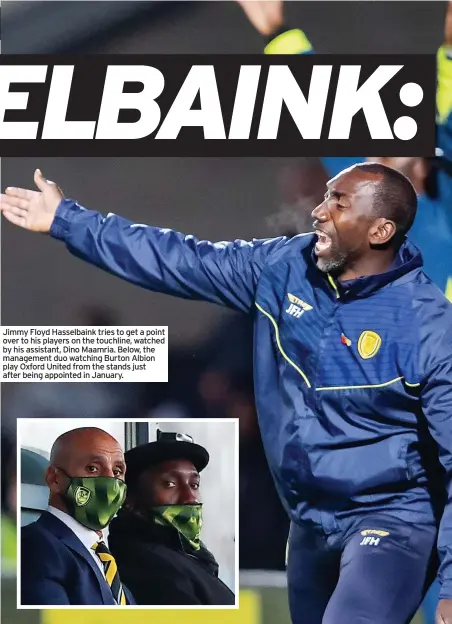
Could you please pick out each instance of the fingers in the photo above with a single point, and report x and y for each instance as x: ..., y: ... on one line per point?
x: 14, y: 218
x: 12, y: 209
x: 265, y: 15
x: 13, y: 213
x: 18, y: 212
x: 21, y: 193
x: 45, y: 185
x: 10, y: 202
x: 40, y: 180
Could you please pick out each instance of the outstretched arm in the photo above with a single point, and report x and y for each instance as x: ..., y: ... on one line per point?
x: 159, y: 259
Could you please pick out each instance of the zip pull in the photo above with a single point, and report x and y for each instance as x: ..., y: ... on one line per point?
x: 331, y: 281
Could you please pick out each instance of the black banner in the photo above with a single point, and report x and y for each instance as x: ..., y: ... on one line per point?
x: 230, y: 105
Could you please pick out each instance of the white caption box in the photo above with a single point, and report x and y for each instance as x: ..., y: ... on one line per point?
x: 84, y: 354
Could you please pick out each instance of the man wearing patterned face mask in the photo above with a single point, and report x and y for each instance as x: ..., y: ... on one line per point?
x: 156, y: 536
x: 65, y: 558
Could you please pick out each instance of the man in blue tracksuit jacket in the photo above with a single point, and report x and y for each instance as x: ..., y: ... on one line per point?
x: 353, y: 379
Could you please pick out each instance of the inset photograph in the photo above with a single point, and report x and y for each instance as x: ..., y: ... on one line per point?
x: 117, y: 513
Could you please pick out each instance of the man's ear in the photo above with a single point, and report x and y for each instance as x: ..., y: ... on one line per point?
x: 382, y: 231
x: 55, y: 480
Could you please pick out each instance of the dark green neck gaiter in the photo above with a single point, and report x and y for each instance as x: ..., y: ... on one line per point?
x: 94, y: 501
x: 186, y: 519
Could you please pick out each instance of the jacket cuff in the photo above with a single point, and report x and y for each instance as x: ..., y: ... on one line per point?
x: 64, y: 215
x: 445, y: 581
x: 446, y: 592
x: 288, y: 41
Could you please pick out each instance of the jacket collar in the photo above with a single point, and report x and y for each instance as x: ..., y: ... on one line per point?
x: 88, y: 537
x: 407, y: 259
x: 68, y: 537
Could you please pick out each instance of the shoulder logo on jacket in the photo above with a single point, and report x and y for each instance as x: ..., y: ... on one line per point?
x: 369, y: 343
x: 81, y: 496
x: 297, y: 307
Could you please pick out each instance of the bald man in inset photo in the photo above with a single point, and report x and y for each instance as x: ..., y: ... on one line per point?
x: 64, y: 557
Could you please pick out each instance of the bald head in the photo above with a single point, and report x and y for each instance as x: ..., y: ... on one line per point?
x: 79, y: 441
x: 84, y: 452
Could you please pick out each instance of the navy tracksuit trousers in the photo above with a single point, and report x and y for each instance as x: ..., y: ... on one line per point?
x: 376, y: 570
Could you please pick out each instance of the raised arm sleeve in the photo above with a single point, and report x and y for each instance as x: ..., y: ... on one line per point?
x: 163, y: 260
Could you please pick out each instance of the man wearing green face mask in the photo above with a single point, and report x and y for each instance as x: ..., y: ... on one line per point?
x: 64, y: 557
x: 156, y: 536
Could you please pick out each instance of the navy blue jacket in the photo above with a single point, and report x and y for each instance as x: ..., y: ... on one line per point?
x: 353, y: 380
x: 57, y: 569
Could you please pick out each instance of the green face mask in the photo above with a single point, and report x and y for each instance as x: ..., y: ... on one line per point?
x: 94, y: 501
x: 186, y: 519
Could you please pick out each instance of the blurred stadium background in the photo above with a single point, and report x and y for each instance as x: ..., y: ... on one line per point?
x: 211, y: 358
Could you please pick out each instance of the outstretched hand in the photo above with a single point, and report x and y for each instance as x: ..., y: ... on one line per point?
x: 265, y: 15
x: 32, y: 210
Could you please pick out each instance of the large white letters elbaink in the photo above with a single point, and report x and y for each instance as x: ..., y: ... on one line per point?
x: 307, y: 110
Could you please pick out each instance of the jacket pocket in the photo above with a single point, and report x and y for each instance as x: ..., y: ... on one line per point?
x: 353, y: 469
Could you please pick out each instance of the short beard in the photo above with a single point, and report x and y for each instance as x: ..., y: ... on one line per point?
x: 334, y: 265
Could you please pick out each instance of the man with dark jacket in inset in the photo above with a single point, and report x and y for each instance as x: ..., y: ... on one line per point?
x: 156, y: 537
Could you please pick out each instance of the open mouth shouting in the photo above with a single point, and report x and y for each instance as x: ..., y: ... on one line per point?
x: 323, y: 244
